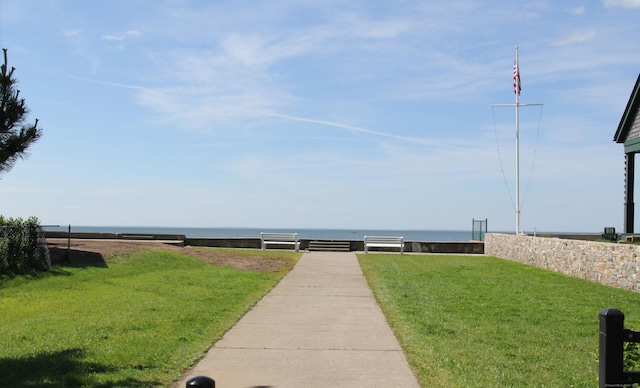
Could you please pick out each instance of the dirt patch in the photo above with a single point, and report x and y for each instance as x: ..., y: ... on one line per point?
x: 84, y: 252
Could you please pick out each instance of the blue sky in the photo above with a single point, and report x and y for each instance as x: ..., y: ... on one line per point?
x: 320, y: 113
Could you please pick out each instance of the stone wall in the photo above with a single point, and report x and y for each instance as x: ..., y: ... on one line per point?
x: 612, y: 264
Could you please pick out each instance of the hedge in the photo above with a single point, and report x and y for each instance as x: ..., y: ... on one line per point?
x: 22, y: 249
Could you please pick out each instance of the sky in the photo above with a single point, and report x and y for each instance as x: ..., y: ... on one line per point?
x: 358, y: 114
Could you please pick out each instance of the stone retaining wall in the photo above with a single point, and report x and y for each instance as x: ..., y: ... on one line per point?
x: 611, y: 264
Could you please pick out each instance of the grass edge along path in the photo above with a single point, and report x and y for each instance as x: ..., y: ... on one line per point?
x: 479, y: 321
x: 142, y: 320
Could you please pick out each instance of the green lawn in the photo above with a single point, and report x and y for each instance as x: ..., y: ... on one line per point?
x: 476, y: 321
x: 141, y: 320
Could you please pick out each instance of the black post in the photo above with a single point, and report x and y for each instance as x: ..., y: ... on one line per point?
x: 629, y: 178
x: 69, y: 243
x: 201, y: 382
x: 611, y: 347
x: 486, y: 228
x: 613, y: 335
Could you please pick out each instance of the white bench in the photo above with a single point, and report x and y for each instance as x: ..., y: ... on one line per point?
x: 383, y: 242
x: 280, y: 238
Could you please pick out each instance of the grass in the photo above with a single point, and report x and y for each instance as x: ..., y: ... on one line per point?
x: 141, y: 320
x: 481, y: 321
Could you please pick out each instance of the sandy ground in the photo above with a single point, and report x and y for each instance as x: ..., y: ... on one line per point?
x: 94, y: 252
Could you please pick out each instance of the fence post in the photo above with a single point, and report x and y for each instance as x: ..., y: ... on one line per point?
x: 69, y: 243
x: 613, y: 335
x: 611, y: 347
x: 201, y: 382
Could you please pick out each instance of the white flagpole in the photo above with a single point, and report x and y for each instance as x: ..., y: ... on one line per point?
x: 517, y: 105
x: 517, y: 92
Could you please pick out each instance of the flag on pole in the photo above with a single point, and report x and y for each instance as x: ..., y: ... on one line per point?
x: 516, y: 78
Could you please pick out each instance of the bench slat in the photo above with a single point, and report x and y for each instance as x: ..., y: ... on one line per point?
x: 280, y: 238
x: 383, y: 242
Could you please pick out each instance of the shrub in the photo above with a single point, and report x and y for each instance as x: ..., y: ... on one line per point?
x: 22, y: 249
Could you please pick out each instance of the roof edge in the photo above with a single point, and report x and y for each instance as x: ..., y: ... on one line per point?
x: 629, y: 114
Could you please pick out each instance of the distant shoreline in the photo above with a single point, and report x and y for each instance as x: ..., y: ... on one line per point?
x: 304, y: 233
x: 341, y: 234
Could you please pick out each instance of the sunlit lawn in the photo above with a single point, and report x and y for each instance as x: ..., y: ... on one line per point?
x: 476, y: 321
x: 140, y: 321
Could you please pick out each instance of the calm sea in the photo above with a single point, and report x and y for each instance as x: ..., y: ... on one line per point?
x: 321, y: 234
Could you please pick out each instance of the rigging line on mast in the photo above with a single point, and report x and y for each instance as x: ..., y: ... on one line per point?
x: 504, y: 177
x: 533, y: 162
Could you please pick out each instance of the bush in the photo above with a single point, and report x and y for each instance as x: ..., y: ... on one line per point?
x: 631, y: 356
x: 21, y: 247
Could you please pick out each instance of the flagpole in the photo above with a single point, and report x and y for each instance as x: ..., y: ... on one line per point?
x: 517, y: 89
x: 517, y: 105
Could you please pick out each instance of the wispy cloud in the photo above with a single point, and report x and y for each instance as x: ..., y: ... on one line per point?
x: 79, y: 40
x: 578, y: 37
x: 115, y: 84
x: 121, y: 37
x: 580, y: 10
x: 72, y: 32
x: 204, y: 109
x: 352, y: 128
x: 622, y: 3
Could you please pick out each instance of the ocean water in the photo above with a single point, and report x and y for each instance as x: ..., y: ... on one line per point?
x: 321, y: 234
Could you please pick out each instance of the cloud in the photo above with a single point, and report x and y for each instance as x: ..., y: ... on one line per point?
x: 578, y: 37
x: 365, y: 131
x: 72, y: 33
x: 78, y: 39
x: 121, y: 37
x: 115, y: 84
x: 577, y: 10
x: 204, y: 108
x: 235, y: 73
x: 622, y: 3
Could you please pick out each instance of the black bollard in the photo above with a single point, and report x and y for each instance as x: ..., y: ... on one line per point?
x: 201, y: 382
x: 613, y: 335
x: 611, y: 347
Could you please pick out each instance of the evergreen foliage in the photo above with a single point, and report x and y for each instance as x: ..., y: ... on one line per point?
x: 15, y: 135
x: 20, y: 247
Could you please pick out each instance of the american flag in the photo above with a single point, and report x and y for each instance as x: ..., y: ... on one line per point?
x: 516, y: 78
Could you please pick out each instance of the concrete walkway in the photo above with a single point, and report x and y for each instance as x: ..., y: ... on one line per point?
x: 319, y: 327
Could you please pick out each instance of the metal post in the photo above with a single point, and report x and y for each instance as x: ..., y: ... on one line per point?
x: 486, y: 227
x: 611, y: 347
x: 517, y: 147
x: 69, y: 243
x: 473, y: 229
x: 201, y: 382
x: 612, y: 338
x: 629, y: 178
x: 517, y: 105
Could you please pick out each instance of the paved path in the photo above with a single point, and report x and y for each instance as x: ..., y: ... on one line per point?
x: 319, y: 327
